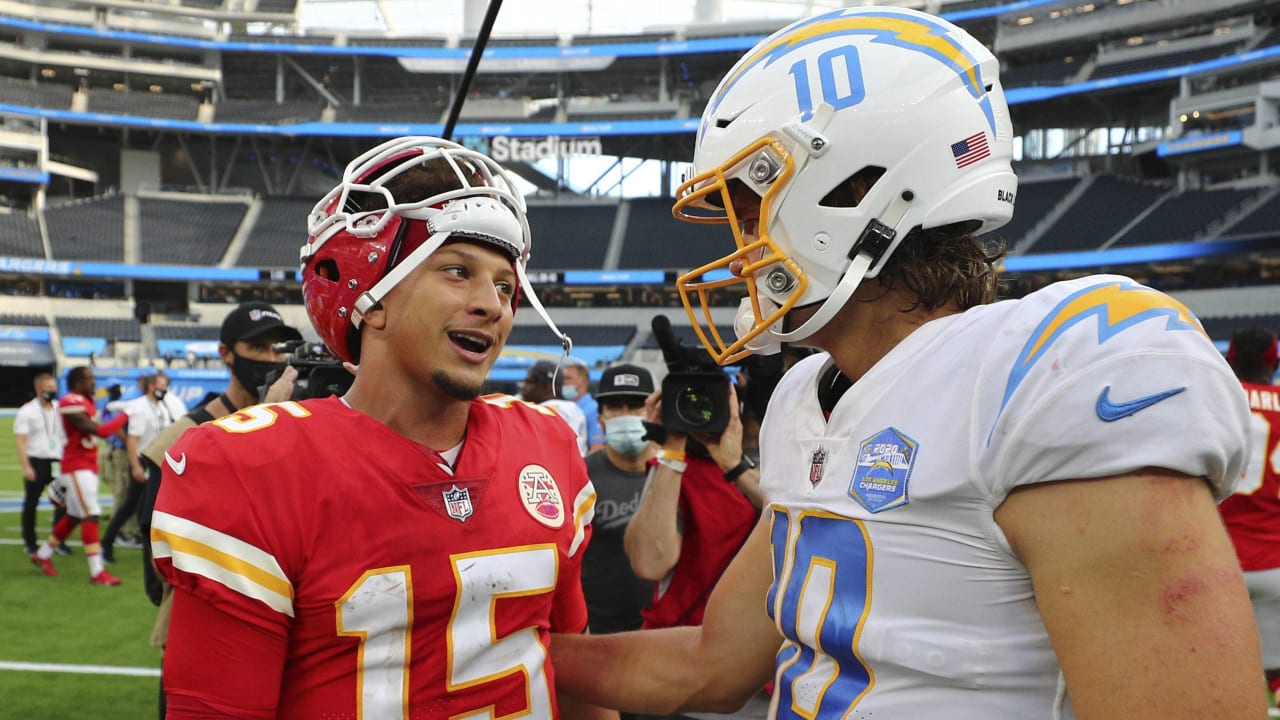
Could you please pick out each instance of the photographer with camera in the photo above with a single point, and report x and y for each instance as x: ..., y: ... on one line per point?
x: 702, y: 492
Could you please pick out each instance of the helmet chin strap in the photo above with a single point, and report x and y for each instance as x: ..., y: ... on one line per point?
x: 374, y: 295
x: 849, y: 282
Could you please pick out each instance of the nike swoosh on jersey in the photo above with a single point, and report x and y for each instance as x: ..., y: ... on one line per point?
x: 1111, y: 411
x: 178, y: 466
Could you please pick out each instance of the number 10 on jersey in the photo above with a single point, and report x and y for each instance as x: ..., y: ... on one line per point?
x: 820, y: 600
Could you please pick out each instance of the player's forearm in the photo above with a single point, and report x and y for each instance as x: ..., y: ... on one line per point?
x: 652, y: 541
x: 658, y: 667
x: 574, y: 708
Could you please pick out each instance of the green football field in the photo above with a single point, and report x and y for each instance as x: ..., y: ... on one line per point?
x: 69, y: 650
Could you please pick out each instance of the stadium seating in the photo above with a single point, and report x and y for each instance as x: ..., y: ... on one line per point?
x: 1263, y: 219
x: 113, y: 102
x: 185, y: 332
x: 581, y: 334
x: 88, y: 229
x: 280, y: 230
x: 20, y: 236
x: 1221, y: 328
x: 1098, y: 214
x: 113, y: 328
x: 1185, y: 57
x: 1183, y: 217
x: 570, y: 237
x: 23, y: 319
x: 656, y: 240
x: 187, y: 232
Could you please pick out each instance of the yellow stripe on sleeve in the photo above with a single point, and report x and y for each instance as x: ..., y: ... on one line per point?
x: 229, y: 561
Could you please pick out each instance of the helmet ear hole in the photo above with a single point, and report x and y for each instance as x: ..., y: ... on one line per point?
x: 328, y: 269
x: 848, y: 193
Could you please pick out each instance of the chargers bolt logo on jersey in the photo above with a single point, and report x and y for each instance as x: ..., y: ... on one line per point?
x: 884, y: 467
x: 457, y: 502
x: 541, y: 496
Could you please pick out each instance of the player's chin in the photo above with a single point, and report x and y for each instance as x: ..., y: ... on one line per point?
x: 462, y: 385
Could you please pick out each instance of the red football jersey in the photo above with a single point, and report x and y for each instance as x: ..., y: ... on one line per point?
x: 1252, y: 514
x: 404, y: 590
x: 81, y: 450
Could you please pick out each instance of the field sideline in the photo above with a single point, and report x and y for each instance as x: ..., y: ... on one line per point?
x: 69, y: 650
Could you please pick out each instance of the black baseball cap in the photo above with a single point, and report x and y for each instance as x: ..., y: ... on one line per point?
x: 625, y: 381
x: 252, y: 320
x: 549, y: 373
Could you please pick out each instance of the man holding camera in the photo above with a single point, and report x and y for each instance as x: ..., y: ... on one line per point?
x: 702, y: 494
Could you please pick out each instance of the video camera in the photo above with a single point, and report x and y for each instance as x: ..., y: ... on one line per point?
x: 695, y: 392
x: 320, y: 373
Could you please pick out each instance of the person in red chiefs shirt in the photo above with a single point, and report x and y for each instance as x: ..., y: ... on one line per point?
x: 403, y: 550
x: 76, y: 487
x: 1252, y: 514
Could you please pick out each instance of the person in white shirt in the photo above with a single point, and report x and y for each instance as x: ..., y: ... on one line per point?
x: 148, y: 415
x: 37, y: 428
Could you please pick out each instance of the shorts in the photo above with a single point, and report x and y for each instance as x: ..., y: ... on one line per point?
x: 1264, y: 594
x: 78, y: 492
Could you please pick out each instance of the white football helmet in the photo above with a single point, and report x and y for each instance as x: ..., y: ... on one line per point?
x: 353, y: 257
x: 890, y: 90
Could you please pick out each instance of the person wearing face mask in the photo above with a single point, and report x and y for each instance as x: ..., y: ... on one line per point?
x: 37, y: 429
x: 149, y: 414
x: 577, y: 381
x: 615, y: 596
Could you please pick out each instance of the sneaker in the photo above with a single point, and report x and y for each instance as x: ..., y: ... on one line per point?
x: 128, y: 542
x: 45, y: 565
x: 104, y: 578
x: 62, y: 549
x: 108, y: 554
x: 29, y: 550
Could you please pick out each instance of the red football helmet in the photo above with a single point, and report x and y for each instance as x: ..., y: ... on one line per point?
x: 354, y: 257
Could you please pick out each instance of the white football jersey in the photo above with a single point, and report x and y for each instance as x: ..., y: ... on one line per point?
x: 898, y: 593
x: 572, y: 414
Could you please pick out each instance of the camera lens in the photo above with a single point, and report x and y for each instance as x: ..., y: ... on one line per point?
x: 695, y: 406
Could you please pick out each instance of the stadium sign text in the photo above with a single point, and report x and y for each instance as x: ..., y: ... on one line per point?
x: 505, y: 149
x: 33, y: 266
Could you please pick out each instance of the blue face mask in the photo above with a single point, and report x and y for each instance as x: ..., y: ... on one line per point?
x: 569, y: 392
x: 625, y: 435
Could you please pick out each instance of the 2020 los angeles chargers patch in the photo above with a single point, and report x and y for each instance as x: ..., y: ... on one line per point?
x: 883, y: 470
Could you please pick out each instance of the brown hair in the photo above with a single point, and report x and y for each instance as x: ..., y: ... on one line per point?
x: 418, y: 182
x: 945, y: 266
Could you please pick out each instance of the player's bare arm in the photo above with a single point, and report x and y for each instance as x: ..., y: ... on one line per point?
x: 1141, y: 594
x: 716, y: 667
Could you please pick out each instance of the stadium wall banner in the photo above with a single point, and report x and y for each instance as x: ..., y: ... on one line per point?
x: 185, y: 348
x: 25, y: 346
x: 1197, y: 143
x: 506, y: 149
x: 83, y: 347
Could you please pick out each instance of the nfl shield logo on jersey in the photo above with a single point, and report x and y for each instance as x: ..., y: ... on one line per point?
x: 457, y: 502
x: 884, y: 467
x: 817, y: 463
